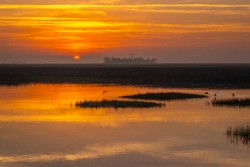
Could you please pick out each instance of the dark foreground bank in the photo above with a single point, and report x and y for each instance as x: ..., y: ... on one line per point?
x: 162, y: 75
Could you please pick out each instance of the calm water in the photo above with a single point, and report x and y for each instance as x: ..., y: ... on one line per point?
x: 39, y: 126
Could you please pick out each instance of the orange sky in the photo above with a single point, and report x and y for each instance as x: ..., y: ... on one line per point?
x: 179, y: 31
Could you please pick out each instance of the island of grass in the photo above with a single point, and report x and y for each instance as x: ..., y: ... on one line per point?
x: 232, y: 102
x: 164, y: 96
x: 117, y: 104
x: 239, y: 133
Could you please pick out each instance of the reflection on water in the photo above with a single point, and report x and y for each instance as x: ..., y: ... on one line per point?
x: 90, y: 152
x: 239, y: 134
x: 40, y: 126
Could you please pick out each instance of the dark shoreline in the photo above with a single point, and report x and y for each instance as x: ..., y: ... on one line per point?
x: 225, y: 76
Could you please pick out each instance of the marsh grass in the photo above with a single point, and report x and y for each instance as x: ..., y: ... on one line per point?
x: 117, y: 104
x: 164, y: 96
x: 232, y: 102
x: 240, y: 133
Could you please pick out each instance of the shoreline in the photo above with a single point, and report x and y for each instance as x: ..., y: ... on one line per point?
x: 213, y: 76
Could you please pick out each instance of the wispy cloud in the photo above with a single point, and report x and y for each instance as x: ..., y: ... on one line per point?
x: 75, y: 29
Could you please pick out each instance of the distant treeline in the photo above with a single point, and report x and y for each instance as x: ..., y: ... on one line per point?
x: 131, y: 60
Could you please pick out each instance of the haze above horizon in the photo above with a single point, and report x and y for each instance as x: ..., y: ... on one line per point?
x: 177, y: 31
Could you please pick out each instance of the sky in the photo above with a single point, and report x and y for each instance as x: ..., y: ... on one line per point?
x: 172, y: 31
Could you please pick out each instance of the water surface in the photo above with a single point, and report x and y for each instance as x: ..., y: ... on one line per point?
x: 40, y: 126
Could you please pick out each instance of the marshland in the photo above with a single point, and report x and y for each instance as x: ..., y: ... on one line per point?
x: 239, y: 134
x: 122, y: 116
x: 165, y: 96
x: 138, y: 104
x: 124, y: 83
x: 117, y: 104
x: 233, y: 102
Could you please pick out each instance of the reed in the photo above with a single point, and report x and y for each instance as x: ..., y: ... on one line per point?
x: 164, y: 96
x: 239, y: 133
x: 232, y: 102
x: 117, y: 104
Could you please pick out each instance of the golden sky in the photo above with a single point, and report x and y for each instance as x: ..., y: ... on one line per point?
x: 171, y: 31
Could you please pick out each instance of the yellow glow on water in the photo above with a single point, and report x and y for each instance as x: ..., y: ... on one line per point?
x: 56, y: 103
x: 39, y: 124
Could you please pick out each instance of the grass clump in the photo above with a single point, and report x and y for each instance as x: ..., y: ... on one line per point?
x: 164, y: 96
x: 232, y: 102
x: 117, y: 104
x: 240, y: 133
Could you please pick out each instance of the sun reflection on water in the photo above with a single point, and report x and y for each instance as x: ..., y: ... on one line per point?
x: 56, y: 103
x: 39, y: 124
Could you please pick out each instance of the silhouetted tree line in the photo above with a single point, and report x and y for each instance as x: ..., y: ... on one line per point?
x: 139, y: 60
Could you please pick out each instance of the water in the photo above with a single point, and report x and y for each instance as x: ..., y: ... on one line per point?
x: 39, y: 126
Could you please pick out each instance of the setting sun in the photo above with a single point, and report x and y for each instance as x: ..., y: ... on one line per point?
x: 173, y: 29
x: 76, y: 58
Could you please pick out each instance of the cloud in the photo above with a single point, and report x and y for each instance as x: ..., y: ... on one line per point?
x: 124, y: 2
x: 78, y: 29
